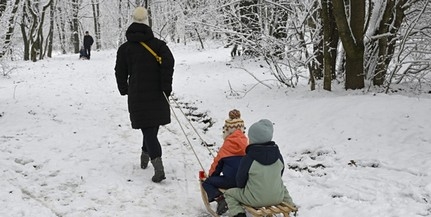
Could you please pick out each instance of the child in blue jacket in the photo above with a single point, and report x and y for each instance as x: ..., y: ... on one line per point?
x: 259, y: 176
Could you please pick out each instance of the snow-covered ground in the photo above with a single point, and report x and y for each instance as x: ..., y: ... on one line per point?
x: 67, y: 148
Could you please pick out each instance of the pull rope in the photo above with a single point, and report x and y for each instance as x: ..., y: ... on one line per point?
x: 184, y: 132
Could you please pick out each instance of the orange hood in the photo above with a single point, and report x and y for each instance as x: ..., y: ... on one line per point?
x: 234, y: 145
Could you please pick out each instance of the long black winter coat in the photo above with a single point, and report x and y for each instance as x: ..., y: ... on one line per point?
x: 143, y: 79
x: 88, y: 41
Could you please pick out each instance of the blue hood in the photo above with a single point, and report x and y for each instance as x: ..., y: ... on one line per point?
x: 264, y: 153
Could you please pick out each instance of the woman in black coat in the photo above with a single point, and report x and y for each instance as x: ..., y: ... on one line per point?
x: 147, y: 83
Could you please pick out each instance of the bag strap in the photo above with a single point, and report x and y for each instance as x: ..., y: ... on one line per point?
x: 158, y: 58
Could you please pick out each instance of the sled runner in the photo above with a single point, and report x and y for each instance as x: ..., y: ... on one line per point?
x: 282, y: 208
x: 205, y: 200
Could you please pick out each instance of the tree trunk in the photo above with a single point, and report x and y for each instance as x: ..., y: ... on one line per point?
x: 10, y: 24
x: 120, y: 23
x: 316, y: 64
x: 25, y: 40
x: 3, y: 4
x: 200, y: 39
x: 40, y: 36
x: 74, y: 25
x: 51, y: 28
x: 32, y: 37
x: 390, y: 23
x: 61, y: 29
x: 333, y: 45
x: 330, y: 42
x: 351, y: 34
x: 96, y: 19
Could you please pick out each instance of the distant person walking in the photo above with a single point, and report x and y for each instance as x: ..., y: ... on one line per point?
x: 144, y: 70
x: 88, y: 41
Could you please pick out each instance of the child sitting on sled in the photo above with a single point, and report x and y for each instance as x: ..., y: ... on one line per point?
x: 259, y: 177
x: 225, y: 165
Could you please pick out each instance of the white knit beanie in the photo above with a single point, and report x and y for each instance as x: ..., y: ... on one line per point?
x: 260, y: 132
x: 140, y: 15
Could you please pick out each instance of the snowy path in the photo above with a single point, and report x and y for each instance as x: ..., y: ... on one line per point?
x: 67, y: 149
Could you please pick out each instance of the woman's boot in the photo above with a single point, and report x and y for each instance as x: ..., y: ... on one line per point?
x: 145, y: 158
x: 159, y: 172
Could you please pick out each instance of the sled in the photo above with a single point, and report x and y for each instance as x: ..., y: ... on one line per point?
x: 282, y: 208
x: 205, y: 200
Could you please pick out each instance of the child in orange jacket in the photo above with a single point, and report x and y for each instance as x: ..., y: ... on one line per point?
x: 225, y: 165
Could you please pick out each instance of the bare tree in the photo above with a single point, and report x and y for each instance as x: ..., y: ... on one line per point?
x: 74, y: 24
x: 330, y: 42
x: 40, y: 31
x: 3, y: 4
x: 351, y: 30
x: 96, y: 19
x: 60, y: 21
x: 50, y: 37
x: 120, y: 23
x: 10, y: 28
x: 411, y: 62
x: 383, y: 36
x: 32, y: 29
x: 296, y: 38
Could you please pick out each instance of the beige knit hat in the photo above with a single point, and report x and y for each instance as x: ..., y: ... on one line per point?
x: 140, y: 15
x: 233, y: 123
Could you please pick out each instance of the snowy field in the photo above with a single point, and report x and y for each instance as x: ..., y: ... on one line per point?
x: 67, y: 148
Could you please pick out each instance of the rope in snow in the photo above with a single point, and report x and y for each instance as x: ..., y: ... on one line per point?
x: 184, y: 132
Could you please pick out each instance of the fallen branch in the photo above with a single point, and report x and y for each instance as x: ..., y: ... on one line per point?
x: 254, y: 77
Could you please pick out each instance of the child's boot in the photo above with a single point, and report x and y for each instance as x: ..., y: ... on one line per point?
x: 221, y: 205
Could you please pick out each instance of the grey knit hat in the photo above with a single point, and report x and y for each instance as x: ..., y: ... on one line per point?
x: 260, y: 132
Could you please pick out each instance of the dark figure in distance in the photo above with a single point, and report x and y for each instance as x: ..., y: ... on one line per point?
x: 88, y: 41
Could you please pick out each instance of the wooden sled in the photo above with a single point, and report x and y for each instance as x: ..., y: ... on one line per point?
x: 282, y: 208
x: 205, y: 200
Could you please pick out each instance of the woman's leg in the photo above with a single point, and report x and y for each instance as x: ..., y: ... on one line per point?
x: 154, y: 149
x: 151, y: 144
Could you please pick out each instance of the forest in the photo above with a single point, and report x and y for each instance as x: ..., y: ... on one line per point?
x: 361, y: 44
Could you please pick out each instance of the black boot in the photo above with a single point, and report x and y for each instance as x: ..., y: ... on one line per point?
x: 145, y: 158
x: 221, y: 205
x: 240, y: 215
x: 159, y: 172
